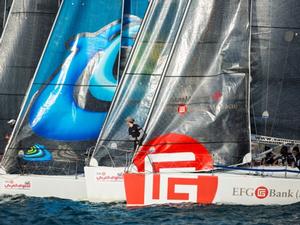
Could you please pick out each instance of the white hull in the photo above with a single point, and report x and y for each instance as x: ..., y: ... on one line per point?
x: 219, y: 188
x: 66, y: 187
x: 106, y: 184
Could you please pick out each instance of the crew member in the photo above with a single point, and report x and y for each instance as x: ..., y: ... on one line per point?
x: 135, y: 131
x: 11, y: 124
x: 296, y: 157
x: 285, y: 157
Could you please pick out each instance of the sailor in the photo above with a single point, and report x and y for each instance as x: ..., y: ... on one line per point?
x: 285, y: 157
x: 296, y: 157
x: 11, y: 124
x: 135, y: 132
x: 269, y: 159
x: 20, y: 161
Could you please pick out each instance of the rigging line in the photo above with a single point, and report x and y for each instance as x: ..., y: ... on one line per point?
x: 276, y: 27
x: 268, y: 70
x: 250, y: 101
x: 120, y: 47
x: 281, y: 85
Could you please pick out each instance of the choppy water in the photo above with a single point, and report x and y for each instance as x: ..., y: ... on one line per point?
x: 24, y: 210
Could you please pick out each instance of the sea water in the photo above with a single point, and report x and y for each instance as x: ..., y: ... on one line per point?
x: 16, y: 210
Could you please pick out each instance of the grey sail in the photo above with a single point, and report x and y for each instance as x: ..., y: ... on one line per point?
x: 186, y: 84
x: 275, y: 53
x: 23, y: 40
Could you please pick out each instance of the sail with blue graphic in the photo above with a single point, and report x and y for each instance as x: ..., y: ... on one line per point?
x: 74, y: 84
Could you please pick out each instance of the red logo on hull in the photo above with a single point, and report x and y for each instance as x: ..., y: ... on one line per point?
x: 261, y: 192
x: 206, y: 188
x: 168, y: 152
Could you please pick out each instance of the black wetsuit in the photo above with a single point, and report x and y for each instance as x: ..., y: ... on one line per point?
x: 297, y: 161
x: 135, y: 133
x: 286, y: 159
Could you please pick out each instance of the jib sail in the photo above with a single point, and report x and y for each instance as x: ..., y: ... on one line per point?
x: 187, y: 86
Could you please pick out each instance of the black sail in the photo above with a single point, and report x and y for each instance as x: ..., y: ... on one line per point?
x: 187, y: 81
x: 22, y: 43
x: 4, y: 11
x: 275, y: 54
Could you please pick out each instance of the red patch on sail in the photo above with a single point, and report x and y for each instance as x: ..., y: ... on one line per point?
x: 217, y: 96
x: 182, y: 109
x: 174, y: 143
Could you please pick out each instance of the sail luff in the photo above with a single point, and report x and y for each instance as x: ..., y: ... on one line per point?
x: 120, y: 47
x: 249, y: 72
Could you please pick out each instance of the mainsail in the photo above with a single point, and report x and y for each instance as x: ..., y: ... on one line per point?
x: 186, y: 84
x: 275, y: 69
x: 21, y: 46
x: 72, y: 89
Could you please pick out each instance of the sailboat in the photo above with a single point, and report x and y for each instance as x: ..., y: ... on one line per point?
x: 68, y: 98
x: 207, y: 81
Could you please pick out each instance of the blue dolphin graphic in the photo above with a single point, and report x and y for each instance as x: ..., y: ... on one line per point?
x: 55, y: 114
